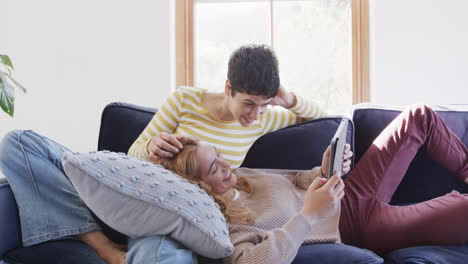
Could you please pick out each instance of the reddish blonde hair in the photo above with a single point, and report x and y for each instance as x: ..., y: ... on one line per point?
x: 185, y: 163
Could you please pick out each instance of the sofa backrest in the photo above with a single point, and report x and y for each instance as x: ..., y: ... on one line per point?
x: 121, y: 124
x: 424, y: 179
x: 297, y: 147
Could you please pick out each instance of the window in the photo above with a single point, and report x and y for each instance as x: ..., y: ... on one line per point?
x: 313, y: 43
x: 315, y: 40
x: 220, y: 27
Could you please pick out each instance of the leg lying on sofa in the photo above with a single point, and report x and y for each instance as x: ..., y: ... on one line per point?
x: 369, y: 221
x: 49, y: 207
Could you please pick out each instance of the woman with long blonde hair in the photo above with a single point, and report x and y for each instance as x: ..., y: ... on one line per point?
x: 278, y: 216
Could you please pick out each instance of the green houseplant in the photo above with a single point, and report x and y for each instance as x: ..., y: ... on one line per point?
x: 8, y: 85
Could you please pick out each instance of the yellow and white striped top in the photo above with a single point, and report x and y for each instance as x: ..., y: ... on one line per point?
x: 183, y: 114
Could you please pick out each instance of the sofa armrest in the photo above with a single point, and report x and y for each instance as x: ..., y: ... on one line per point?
x: 10, y: 236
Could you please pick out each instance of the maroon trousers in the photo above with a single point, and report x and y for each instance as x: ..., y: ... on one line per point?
x: 368, y: 221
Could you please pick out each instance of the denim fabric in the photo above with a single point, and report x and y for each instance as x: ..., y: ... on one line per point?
x: 148, y: 250
x: 158, y: 249
x: 429, y: 255
x: 48, y: 205
x: 334, y: 253
x: 50, y: 208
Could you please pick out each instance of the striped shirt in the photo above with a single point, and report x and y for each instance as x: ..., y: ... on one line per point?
x: 183, y: 114
x: 279, y: 229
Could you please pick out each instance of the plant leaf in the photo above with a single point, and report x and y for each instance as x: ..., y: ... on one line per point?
x: 16, y: 84
x: 6, y: 60
x: 7, y: 96
x: 6, y: 64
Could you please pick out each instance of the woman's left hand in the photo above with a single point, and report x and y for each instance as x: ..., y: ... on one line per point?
x: 346, y: 161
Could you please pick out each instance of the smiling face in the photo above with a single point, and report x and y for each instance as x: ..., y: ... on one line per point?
x: 246, y: 108
x: 214, y: 170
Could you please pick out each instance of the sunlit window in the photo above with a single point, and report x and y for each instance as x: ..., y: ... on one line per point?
x: 220, y: 28
x: 312, y: 39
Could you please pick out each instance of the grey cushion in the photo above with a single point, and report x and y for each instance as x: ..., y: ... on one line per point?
x: 138, y: 198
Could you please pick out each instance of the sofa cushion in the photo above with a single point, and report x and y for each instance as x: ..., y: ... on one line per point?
x: 297, y: 147
x: 9, y: 222
x: 429, y: 254
x: 121, y: 124
x: 425, y: 179
x: 139, y: 198
x: 70, y: 251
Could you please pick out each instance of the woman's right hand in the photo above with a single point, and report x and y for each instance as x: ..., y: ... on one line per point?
x: 322, y: 196
x: 164, y: 145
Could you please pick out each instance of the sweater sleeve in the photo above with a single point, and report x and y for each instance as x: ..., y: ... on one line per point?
x: 277, y: 117
x: 305, y: 178
x: 275, y: 246
x: 301, y: 178
x: 166, y: 120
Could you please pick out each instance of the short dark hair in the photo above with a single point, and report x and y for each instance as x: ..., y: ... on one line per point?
x: 253, y: 69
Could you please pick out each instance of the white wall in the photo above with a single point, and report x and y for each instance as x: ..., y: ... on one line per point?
x: 419, y: 51
x: 74, y: 57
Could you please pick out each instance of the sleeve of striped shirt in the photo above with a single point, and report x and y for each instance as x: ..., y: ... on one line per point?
x: 277, y: 117
x: 275, y: 246
x: 166, y: 120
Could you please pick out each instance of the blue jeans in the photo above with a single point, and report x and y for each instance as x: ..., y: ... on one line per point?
x: 158, y: 249
x: 335, y: 254
x: 429, y: 255
x: 49, y: 206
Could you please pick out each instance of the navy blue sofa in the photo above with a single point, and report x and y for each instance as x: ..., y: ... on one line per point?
x: 296, y: 147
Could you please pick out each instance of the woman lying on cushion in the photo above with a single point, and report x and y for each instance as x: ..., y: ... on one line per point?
x: 273, y: 212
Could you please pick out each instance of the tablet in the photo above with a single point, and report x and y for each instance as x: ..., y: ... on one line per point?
x: 337, y: 147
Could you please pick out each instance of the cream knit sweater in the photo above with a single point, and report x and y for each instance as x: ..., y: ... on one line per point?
x: 279, y: 229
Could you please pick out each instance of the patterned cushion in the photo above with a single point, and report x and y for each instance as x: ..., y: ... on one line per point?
x: 138, y: 198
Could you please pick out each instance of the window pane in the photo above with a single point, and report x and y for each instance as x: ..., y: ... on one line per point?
x: 313, y: 42
x: 220, y: 28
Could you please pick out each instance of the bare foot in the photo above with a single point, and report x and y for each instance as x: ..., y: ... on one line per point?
x: 466, y: 180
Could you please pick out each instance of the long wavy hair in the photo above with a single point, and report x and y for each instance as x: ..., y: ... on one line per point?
x: 185, y: 164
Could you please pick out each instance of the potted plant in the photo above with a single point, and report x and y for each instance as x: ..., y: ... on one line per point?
x: 8, y: 85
